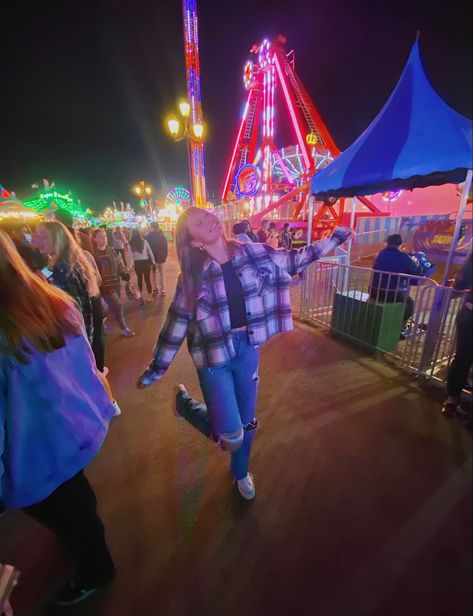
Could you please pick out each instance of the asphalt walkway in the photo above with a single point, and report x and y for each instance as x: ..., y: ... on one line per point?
x: 363, y: 503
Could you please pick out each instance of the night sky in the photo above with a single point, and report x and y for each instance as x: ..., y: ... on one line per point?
x: 86, y: 85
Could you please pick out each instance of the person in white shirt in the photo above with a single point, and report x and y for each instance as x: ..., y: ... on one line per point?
x: 143, y: 260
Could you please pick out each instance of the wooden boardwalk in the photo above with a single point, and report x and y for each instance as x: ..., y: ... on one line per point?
x: 363, y: 503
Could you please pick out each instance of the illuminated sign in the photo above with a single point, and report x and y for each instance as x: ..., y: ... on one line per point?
x: 248, y: 180
x: 311, y: 139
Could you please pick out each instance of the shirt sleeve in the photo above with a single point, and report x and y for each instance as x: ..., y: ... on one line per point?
x: 173, y: 331
x: 295, y: 260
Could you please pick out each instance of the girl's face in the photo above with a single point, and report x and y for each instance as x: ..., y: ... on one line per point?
x: 204, y: 227
x: 101, y: 240
x: 43, y: 241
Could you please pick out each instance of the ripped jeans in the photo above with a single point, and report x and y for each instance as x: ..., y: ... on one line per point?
x: 230, y: 393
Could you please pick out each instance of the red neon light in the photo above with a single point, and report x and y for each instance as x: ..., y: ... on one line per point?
x: 237, y: 142
x: 293, y: 115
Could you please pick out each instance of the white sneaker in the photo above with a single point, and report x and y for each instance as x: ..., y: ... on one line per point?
x: 118, y: 410
x: 246, y: 487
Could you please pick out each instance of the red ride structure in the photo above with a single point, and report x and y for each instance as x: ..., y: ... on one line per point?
x: 266, y: 170
x: 196, y: 145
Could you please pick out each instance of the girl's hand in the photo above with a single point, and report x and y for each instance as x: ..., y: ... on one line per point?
x: 342, y: 234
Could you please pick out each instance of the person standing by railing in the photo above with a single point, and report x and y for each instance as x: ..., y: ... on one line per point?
x: 263, y: 231
x: 463, y: 359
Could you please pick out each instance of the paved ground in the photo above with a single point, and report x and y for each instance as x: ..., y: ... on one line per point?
x: 363, y: 501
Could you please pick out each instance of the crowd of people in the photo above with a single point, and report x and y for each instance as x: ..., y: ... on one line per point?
x: 56, y: 283
x: 266, y: 234
x: 90, y: 265
x: 55, y: 401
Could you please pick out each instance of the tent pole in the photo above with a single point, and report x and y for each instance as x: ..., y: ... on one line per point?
x: 309, y: 222
x: 352, y: 223
x: 458, y: 223
x: 305, y: 284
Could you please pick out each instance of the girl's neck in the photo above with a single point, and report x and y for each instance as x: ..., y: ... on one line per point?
x: 221, y: 251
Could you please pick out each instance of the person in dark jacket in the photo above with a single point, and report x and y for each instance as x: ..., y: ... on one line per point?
x: 68, y: 268
x: 461, y: 363
x: 387, y: 287
x: 159, y: 247
x: 263, y: 231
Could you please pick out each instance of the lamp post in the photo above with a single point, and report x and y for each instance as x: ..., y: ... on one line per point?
x: 144, y: 192
x: 181, y: 129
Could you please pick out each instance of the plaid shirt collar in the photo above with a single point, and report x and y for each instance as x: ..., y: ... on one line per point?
x: 238, y: 251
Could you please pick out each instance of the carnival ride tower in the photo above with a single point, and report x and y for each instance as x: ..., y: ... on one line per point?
x: 196, y: 145
x: 255, y: 142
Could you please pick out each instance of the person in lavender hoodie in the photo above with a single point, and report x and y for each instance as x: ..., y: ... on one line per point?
x: 54, y: 416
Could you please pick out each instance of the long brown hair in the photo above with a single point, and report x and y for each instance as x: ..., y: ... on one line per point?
x: 191, y: 260
x: 68, y: 251
x: 31, y: 310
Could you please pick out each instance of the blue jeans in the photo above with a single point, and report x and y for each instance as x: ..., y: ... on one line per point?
x: 230, y: 394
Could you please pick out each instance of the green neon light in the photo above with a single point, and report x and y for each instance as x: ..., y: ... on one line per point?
x: 63, y: 201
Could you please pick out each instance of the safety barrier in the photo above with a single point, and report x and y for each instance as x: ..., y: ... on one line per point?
x: 409, y: 318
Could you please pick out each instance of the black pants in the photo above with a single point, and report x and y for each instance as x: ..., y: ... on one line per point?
x: 143, y: 269
x: 395, y: 297
x: 70, y: 512
x: 98, y: 340
x: 461, y: 363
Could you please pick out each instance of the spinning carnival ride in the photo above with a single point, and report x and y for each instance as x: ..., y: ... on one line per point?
x: 280, y: 175
x: 260, y: 170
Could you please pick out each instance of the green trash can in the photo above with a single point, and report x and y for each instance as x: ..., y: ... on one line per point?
x: 374, y: 324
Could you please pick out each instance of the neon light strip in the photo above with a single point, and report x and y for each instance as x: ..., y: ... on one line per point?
x: 292, y: 113
x: 237, y: 144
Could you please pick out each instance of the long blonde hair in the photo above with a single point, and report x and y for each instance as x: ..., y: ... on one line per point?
x: 191, y: 260
x: 68, y: 251
x: 31, y: 310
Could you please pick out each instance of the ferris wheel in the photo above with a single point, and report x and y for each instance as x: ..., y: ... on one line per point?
x: 178, y: 196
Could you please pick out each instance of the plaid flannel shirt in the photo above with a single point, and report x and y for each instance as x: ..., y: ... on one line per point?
x: 265, y: 274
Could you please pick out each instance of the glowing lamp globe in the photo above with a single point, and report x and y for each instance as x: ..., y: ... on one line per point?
x: 185, y: 109
x: 173, y: 126
x: 198, y: 130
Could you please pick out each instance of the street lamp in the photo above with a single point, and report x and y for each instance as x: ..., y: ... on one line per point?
x: 143, y: 190
x: 185, y: 130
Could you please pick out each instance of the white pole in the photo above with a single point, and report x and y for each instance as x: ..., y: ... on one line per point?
x: 309, y: 222
x: 458, y: 223
x: 352, y: 223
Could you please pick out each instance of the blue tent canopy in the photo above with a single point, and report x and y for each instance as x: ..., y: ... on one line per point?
x: 416, y: 140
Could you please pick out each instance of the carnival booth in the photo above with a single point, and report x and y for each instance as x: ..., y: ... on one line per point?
x: 415, y: 141
x: 12, y: 209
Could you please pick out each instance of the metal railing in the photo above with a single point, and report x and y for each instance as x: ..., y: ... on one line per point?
x: 409, y: 318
